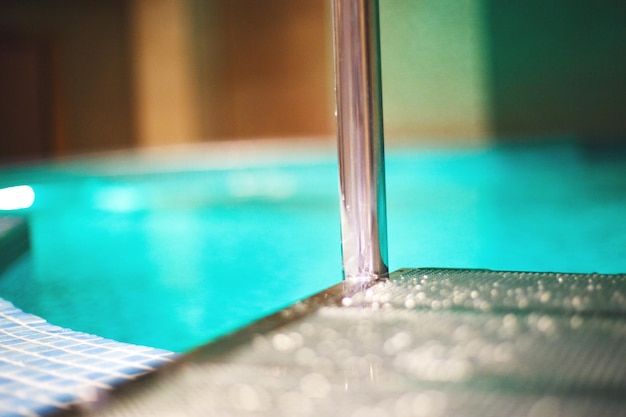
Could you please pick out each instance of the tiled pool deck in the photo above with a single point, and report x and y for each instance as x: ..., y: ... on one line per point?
x: 426, y: 343
x: 45, y: 369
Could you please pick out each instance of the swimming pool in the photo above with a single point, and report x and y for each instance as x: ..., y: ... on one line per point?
x: 172, y: 257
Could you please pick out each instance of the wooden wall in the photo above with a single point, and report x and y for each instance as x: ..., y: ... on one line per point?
x: 274, y: 68
x: 83, y: 70
x: 85, y: 75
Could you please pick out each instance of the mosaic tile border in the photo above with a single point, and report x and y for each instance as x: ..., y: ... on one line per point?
x: 45, y: 369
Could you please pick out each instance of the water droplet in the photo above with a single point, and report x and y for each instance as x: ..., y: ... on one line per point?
x: 397, y: 343
x: 370, y: 412
x: 545, y: 297
x: 315, y: 385
x: 248, y: 398
x: 509, y: 321
x: 547, y: 406
x: 503, y: 353
x: 429, y: 403
x: 297, y: 338
x: 326, y: 347
x: 307, y: 329
x: 575, y: 322
x: 295, y: 404
x: 283, y: 342
x: 546, y: 324
x: 305, y: 356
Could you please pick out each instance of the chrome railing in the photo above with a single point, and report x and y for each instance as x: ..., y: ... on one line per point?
x: 360, y: 131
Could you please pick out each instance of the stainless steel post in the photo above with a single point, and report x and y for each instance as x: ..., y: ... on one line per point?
x: 360, y: 129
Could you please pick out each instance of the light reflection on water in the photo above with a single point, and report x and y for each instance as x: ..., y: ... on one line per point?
x: 18, y: 197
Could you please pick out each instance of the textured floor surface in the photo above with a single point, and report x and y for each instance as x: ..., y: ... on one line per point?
x: 427, y: 342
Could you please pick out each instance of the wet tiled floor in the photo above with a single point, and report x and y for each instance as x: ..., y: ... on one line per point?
x: 427, y: 342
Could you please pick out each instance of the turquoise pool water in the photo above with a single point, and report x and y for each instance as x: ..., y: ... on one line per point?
x: 174, y: 259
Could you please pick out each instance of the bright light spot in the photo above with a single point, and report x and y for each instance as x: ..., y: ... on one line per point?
x: 117, y: 199
x: 16, y: 198
x: 266, y: 185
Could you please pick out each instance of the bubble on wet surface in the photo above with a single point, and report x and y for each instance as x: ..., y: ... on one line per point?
x: 370, y: 412
x: 546, y: 324
x: 283, y: 342
x: 315, y: 385
x: 488, y: 290
x: 431, y: 365
x: 305, y: 356
x: 248, y: 398
x: 547, y: 406
x: 576, y: 322
x: 295, y: 404
x: 428, y: 403
x: 397, y: 343
x: 287, y: 342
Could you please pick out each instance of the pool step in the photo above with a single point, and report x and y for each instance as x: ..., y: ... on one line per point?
x: 426, y: 342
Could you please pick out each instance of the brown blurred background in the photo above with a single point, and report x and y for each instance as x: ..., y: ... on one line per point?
x: 89, y: 75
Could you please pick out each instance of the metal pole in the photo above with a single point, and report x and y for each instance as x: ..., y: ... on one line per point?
x: 360, y: 131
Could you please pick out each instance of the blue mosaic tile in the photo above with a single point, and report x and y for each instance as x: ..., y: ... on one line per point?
x: 115, y: 355
x: 26, y: 334
x: 132, y: 371
x: 45, y: 368
x: 4, y: 381
x: 95, y: 375
x: 62, y: 343
x: 52, y: 353
x: 45, y: 378
x: 113, y: 381
x: 136, y: 358
x: 47, y: 410
x: 96, y: 351
x: 13, y: 414
x: 4, y: 397
x: 68, y: 383
x: 37, y: 349
x: 80, y: 348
